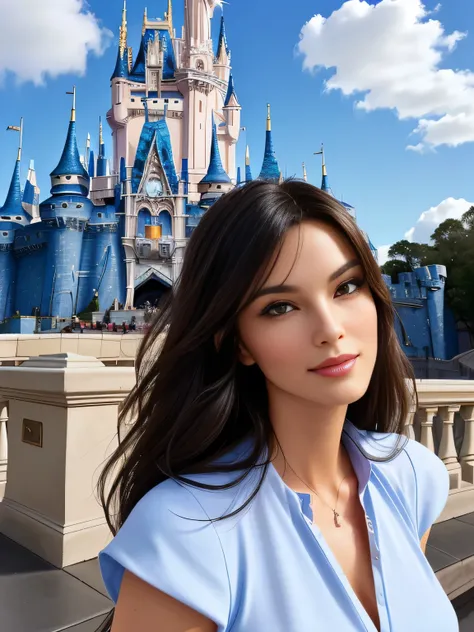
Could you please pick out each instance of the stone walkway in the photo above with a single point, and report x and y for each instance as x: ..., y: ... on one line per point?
x: 37, y: 597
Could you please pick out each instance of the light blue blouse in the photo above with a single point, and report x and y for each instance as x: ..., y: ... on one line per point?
x: 270, y: 569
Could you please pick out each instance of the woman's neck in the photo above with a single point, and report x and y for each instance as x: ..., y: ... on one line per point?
x: 308, y: 443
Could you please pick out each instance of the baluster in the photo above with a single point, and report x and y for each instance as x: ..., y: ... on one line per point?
x: 408, y: 429
x: 426, y: 420
x: 3, y: 446
x: 467, y: 450
x: 447, y: 448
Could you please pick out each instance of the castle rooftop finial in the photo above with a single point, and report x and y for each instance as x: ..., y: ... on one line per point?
x: 269, y: 118
x: 305, y: 175
x: 123, y: 29
x: 145, y: 20
x: 73, y: 108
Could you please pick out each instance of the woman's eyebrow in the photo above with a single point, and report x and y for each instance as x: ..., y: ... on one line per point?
x: 353, y: 263
x: 276, y: 289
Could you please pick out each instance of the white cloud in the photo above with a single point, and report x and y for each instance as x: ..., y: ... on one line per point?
x: 388, y: 56
x: 428, y: 221
x: 48, y: 38
x: 382, y: 254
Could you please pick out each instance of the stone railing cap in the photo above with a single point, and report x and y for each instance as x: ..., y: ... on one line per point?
x: 63, y: 361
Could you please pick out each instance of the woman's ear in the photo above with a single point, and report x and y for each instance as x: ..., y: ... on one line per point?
x: 245, y: 357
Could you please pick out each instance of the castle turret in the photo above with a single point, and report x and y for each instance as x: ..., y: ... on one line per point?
x: 248, y: 172
x: 305, y: 175
x: 101, y: 159
x: 65, y: 215
x: 216, y: 182
x: 270, y: 169
x: 12, y: 217
x: 223, y: 55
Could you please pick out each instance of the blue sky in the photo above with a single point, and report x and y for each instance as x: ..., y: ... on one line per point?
x: 361, y: 49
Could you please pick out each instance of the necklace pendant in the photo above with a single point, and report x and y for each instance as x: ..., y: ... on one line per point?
x: 336, y: 519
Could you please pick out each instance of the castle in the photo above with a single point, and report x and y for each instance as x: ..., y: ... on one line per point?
x: 118, y: 232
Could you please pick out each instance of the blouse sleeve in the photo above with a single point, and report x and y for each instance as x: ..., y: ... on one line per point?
x: 169, y: 542
x: 431, y: 483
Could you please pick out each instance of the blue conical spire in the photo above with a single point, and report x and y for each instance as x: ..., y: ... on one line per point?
x: 216, y: 172
x: 70, y: 163
x: 121, y: 67
x: 270, y: 169
x: 248, y: 172
x: 239, y: 177
x: 230, y: 91
x: 13, y: 204
x: 222, y: 44
x: 91, y: 164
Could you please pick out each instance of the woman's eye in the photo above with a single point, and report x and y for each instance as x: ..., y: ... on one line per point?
x: 278, y: 309
x: 349, y: 287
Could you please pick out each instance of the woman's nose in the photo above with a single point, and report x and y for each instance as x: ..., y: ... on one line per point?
x: 328, y: 328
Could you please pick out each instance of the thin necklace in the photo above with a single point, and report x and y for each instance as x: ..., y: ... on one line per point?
x: 336, y: 514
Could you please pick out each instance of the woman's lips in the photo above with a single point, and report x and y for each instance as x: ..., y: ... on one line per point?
x: 337, y: 370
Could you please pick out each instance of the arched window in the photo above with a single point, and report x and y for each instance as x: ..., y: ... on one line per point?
x: 164, y: 220
x: 144, y: 219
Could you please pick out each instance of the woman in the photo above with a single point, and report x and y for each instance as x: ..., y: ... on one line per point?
x: 265, y: 484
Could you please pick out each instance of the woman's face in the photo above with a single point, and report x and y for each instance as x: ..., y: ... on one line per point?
x: 314, y: 307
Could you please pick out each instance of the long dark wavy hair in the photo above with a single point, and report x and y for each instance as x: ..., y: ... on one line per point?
x: 193, y: 399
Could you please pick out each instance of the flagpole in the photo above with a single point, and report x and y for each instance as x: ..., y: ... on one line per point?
x: 20, y: 148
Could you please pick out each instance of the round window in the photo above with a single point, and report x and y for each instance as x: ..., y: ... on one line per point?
x: 64, y: 205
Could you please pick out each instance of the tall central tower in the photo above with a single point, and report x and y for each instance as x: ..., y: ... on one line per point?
x: 198, y: 83
x: 197, y: 22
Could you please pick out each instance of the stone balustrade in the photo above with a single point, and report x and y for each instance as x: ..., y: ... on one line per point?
x: 444, y: 423
x: 74, y: 401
